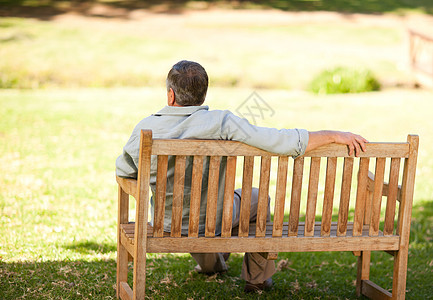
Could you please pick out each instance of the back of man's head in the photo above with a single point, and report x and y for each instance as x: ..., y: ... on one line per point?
x: 189, y: 82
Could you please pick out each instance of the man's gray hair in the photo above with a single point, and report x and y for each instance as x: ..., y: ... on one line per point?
x: 189, y: 82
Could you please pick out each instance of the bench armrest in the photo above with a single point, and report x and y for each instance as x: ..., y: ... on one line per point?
x: 128, y: 185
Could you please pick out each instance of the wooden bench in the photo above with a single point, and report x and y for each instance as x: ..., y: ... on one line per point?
x: 369, y: 229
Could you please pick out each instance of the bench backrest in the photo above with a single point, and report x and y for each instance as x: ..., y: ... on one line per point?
x: 356, y: 185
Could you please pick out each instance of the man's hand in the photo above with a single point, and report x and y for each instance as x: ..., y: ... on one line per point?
x: 353, y: 141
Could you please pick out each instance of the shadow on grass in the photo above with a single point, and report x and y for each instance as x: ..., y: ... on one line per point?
x: 322, y: 275
x: 89, y: 247
x: 420, y: 260
x: 120, y: 8
x: 58, y: 280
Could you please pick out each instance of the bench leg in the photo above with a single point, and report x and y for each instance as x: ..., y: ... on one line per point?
x: 122, y: 253
x: 400, y: 273
x: 122, y: 267
x: 139, y: 281
x: 363, y: 270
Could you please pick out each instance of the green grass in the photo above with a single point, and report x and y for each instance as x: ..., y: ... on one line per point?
x: 58, y: 194
x: 85, y: 53
x: 58, y: 146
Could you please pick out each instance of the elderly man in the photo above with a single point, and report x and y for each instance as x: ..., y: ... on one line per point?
x: 185, y: 117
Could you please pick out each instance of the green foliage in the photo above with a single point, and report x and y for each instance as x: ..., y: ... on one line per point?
x: 350, y: 6
x: 343, y: 80
x: 346, y: 6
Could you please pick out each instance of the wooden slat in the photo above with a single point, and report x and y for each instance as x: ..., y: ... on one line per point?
x: 377, y: 196
x: 212, y: 148
x: 368, y: 207
x: 372, y: 150
x: 125, y: 292
x: 392, y: 196
x: 161, y: 186
x: 269, y: 244
x: 141, y: 214
x: 397, y: 229
x: 128, y: 185
x: 361, y: 196
x: 346, y: 184
x: 301, y: 229
x: 313, y: 186
x: 373, y: 291
x: 247, y: 182
x: 295, y: 203
x: 328, y: 199
x: 212, y: 195
x: 280, y: 195
x: 129, y: 229
x: 229, y: 187
x: 196, y: 184
x: 177, y: 207
x: 127, y: 241
x: 385, y: 189
x: 230, y: 148
x: 262, y: 205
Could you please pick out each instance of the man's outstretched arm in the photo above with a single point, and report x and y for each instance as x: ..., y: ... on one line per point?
x: 353, y: 141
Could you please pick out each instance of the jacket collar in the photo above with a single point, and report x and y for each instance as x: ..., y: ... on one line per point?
x: 180, y: 110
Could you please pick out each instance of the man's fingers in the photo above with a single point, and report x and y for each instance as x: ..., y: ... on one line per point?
x: 357, y: 148
x: 356, y: 143
x: 351, y: 148
x: 361, y: 141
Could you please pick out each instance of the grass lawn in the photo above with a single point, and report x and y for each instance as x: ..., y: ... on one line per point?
x: 64, y: 118
x: 259, y: 50
x: 58, y: 193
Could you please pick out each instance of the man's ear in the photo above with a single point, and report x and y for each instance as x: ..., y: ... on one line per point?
x: 171, y: 98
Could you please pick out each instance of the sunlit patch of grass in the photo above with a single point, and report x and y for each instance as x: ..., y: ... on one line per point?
x: 74, y: 56
x: 238, y: 54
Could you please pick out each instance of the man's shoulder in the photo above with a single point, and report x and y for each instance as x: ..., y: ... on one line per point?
x: 215, y: 112
x: 149, y: 120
